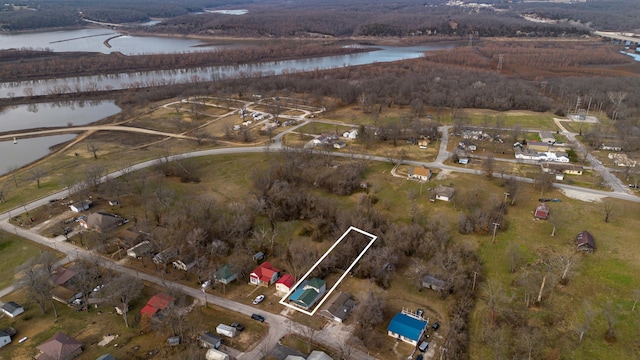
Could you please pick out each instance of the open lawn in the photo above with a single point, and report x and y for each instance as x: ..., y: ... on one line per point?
x: 15, y: 251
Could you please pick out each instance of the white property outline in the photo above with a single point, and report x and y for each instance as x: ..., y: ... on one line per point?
x: 326, y: 296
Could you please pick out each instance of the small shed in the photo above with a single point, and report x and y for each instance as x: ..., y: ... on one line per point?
x: 585, y: 242
x: 259, y: 256
x: 173, y: 341
x: 541, y: 212
x: 213, y: 354
x: 226, y: 330
x: 209, y: 340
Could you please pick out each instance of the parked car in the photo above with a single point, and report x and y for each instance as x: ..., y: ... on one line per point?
x: 257, y: 317
x: 420, y: 357
x: 633, y: 186
x: 258, y: 299
x: 435, y: 326
x: 98, y: 288
x: 420, y: 312
x: 238, y: 326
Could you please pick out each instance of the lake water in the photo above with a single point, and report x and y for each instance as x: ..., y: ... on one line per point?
x: 26, y: 151
x: 55, y: 114
x: 92, y: 40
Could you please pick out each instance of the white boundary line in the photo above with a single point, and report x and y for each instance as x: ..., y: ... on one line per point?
x: 326, y: 296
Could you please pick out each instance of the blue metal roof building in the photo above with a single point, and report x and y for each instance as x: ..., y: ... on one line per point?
x: 407, y: 328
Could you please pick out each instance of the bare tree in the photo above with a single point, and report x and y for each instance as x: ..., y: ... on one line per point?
x: 516, y: 256
x: 544, y: 181
x: 87, y: 278
x: 121, y: 291
x: 636, y: 297
x: 582, y: 326
x: 93, y: 148
x: 607, y: 206
x: 611, y: 316
x: 368, y: 314
x: 36, y: 282
x: 94, y: 174
x: 309, y: 333
x: 488, y: 166
x: 4, y: 192
x: 37, y: 174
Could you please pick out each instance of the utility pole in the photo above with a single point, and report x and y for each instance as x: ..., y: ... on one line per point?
x: 473, y: 287
x: 495, y: 228
x: 500, y: 57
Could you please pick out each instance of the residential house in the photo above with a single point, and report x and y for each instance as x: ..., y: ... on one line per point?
x: 555, y: 168
x: 339, y: 144
x: 547, y: 137
x: 319, y: 355
x: 526, y: 154
x: 294, y: 357
x: 165, y: 256
x: 62, y: 275
x: 466, y: 144
x: 423, y: 143
x: 555, y: 157
x: 340, y: 306
x: 186, y: 263
x: 226, y: 330
x: 420, y: 173
x: 585, y: 242
x: 433, y: 283
x: 610, y: 148
x: 156, y: 304
x: 444, y: 193
x: 210, y: 340
x: 140, y: 250
x: 64, y: 295
x: 5, y: 338
x: 226, y: 274
x: 12, y: 309
x: 308, y: 293
x: 80, y: 206
x: 284, y: 284
x: 127, y: 239
x: 102, y: 222
x: 60, y: 347
x: 407, y: 327
x: 106, y: 357
x: 463, y: 160
x: 541, y: 212
x: 264, y: 275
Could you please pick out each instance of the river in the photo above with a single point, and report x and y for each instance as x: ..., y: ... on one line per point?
x: 25, y: 151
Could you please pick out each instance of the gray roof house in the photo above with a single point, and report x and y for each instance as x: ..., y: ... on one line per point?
x: 444, y: 193
x: 433, y: 283
x: 12, y: 309
x: 339, y: 308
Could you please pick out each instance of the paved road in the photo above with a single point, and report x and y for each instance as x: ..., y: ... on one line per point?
x: 96, y: 128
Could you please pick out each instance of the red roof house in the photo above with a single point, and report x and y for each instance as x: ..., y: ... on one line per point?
x: 264, y: 275
x: 284, y: 284
x: 542, y: 212
x: 156, y: 303
x: 60, y: 347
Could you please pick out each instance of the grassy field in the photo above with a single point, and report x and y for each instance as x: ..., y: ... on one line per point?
x: 15, y: 251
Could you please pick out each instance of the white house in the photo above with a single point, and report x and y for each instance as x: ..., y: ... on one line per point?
x: 12, y: 309
x: 80, y: 206
x: 444, y: 193
x: 4, y: 339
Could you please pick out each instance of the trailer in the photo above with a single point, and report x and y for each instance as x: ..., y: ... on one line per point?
x: 226, y: 330
x: 213, y: 354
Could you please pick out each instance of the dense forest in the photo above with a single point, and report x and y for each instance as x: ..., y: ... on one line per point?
x: 330, y: 18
